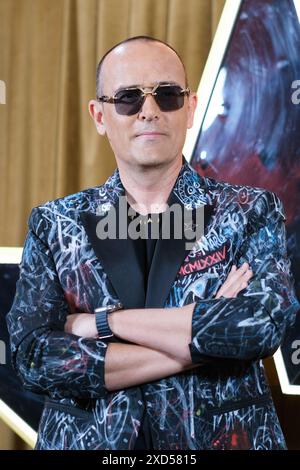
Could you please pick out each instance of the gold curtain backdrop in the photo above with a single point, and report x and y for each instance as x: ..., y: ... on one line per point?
x: 49, y: 50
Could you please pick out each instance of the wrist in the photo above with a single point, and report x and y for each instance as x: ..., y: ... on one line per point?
x: 113, y: 322
x: 94, y: 326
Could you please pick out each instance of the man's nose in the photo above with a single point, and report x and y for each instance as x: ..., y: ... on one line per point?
x: 150, y: 109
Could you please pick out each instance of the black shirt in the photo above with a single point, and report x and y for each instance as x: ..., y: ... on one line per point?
x: 144, y: 439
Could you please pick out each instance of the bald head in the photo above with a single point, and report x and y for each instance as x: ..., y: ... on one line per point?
x: 123, y: 48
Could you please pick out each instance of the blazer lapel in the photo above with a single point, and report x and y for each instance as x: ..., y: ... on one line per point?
x: 122, y: 260
x: 169, y: 255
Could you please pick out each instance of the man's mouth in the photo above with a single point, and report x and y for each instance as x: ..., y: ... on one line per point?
x: 150, y: 134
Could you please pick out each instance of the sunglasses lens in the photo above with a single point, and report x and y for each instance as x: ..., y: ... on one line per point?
x: 128, y: 102
x: 169, y: 98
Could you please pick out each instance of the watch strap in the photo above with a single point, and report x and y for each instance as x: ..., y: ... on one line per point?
x: 102, y: 324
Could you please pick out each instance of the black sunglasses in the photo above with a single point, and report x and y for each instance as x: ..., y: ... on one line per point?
x: 129, y: 101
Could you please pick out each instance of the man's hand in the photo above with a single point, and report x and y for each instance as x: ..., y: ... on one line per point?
x: 81, y: 324
x: 84, y: 324
x: 236, y: 281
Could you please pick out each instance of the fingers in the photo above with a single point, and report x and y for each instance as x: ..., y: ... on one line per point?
x: 244, y: 274
x: 237, y: 275
x: 236, y: 281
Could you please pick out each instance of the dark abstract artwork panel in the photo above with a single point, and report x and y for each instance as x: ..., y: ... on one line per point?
x: 250, y: 134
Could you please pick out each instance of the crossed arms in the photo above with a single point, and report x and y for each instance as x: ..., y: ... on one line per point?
x: 246, y: 326
x: 160, y: 337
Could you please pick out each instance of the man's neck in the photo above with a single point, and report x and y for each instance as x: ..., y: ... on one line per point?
x: 147, y: 190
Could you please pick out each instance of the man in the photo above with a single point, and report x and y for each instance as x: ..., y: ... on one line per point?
x: 183, y: 368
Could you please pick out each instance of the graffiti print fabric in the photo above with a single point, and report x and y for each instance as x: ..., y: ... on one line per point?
x: 224, y: 403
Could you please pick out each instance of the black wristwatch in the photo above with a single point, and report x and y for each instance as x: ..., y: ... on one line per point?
x: 102, y: 325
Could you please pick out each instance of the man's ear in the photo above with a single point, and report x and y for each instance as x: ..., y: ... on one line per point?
x: 192, y: 104
x: 96, y: 112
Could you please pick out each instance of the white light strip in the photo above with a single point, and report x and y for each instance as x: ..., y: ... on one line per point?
x: 10, y: 255
x: 297, y: 8
x: 17, y: 424
x: 211, y: 70
x: 285, y: 385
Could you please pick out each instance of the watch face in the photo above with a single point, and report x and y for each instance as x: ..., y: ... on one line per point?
x: 109, y: 308
x: 100, y: 309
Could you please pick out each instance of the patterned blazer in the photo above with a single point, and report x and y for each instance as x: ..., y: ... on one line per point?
x: 225, y: 402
